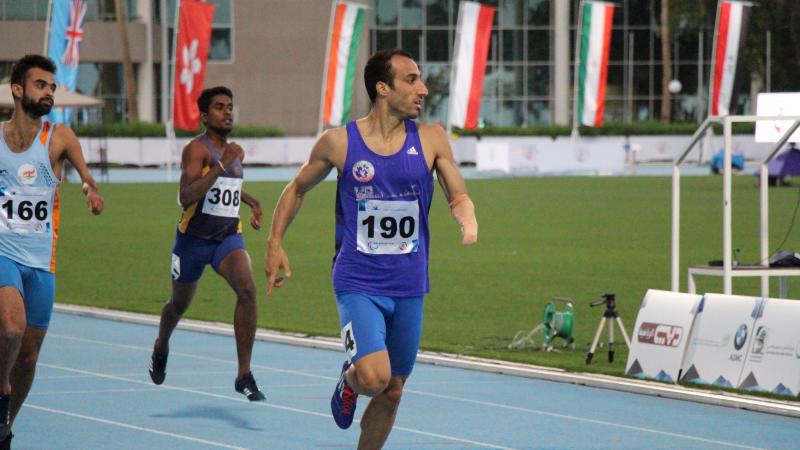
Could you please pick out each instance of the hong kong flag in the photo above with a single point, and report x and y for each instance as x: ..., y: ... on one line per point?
x: 194, y: 38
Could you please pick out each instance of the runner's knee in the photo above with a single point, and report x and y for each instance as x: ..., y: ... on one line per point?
x: 372, y: 382
x: 12, y: 328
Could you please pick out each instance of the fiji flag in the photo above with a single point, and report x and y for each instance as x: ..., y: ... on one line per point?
x: 66, y: 34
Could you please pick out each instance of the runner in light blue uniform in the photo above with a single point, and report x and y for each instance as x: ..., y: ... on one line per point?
x: 32, y: 155
x: 380, y: 271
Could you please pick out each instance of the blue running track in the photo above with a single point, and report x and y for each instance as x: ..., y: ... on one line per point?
x: 92, y: 391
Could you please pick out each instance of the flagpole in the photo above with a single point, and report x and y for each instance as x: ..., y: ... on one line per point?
x: 578, y: 36
x: 171, y: 139
x: 321, y: 123
x: 46, y: 50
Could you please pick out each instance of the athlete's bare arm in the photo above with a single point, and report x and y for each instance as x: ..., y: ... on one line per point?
x: 256, y: 214
x: 194, y: 185
x: 453, y: 185
x: 328, y: 152
x: 65, y: 145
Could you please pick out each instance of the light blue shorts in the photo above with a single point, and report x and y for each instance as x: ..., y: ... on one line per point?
x: 37, y: 288
x: 372, y: 323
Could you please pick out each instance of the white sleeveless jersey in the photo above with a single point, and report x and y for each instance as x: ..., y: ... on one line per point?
x: 29, y: 210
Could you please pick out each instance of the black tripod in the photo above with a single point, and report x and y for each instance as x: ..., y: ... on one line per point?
x: 609, y: 313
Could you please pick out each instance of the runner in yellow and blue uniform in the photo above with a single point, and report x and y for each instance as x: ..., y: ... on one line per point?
x: 384, y: 163
x: 210, y: 232
x: 32, y: 155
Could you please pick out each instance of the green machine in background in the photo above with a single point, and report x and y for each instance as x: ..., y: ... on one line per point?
x: 554, y: 324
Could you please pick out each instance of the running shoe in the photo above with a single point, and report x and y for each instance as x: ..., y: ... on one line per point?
x: 343, y: 402
x: 246, y: 385
x: 158, y: 367
x: 5, y: 444
x: 5, y: 418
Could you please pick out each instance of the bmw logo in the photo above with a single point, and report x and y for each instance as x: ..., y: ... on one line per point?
x: 741, y: 337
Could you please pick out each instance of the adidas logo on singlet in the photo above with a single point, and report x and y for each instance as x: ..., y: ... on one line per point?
x: 412, y: 151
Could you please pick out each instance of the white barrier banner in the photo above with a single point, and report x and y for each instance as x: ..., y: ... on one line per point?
x: 661, y: 335
x: 549, y: 157
x: 773, y: 358
x: 719, y: 338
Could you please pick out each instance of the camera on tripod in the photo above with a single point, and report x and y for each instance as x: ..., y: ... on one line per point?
x: 611, y: 315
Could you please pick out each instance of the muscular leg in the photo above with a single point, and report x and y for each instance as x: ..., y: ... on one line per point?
x: 235, y: 268
x: 12, y: 329
x: 25, y: 368
x: 378, y: 418
x: 171, y: 313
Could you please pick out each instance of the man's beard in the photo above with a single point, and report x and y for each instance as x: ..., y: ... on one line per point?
x: 34, y: 108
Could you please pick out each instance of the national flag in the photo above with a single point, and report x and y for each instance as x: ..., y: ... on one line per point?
x: 730, y: 36
x: 473, y: 32
x: 193, y: 42
x: 66, y: 35
x: 340, y: 64
x: 592, y: 64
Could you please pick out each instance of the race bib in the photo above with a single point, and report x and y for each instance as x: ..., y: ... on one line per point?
x: 224, y: 198
x: 25, y: 210
x: 388, y: 227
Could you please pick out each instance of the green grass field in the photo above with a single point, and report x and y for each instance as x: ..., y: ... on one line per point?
x: 539, y: 238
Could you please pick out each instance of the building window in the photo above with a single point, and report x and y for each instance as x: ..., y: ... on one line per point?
x: 221, y: 48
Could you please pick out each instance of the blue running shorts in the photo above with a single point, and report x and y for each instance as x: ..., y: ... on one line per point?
x: 371, y: 323
x: 190, y: 255
x: 37, y: 288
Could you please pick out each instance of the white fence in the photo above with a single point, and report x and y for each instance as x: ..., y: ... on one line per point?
x: 537, y: 154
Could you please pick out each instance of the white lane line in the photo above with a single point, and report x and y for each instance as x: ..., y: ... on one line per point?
x: 431, y: 394
x: 580, y: 419
x: 133, y: 427
x: 190, y: 355
x: 157, y: 388
x: 264, y: 404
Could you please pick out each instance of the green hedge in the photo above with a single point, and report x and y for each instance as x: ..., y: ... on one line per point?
x: 147, y: 129
x: 608, y: 129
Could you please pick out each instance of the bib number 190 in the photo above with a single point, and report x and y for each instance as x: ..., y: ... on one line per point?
x: 390, y: 227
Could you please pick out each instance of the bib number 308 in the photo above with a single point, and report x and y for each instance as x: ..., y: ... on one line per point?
x: 224, y: 198
x: 388, y: 227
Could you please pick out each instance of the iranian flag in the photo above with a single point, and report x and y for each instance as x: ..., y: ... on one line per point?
x: 473, y: 33
x: 340, y: 63
x: 729, y: 37
x: 592, y: 65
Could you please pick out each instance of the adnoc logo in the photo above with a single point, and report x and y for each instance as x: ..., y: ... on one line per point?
x: 741, y: 337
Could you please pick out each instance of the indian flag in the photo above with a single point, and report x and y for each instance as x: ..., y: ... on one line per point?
x: 473, y: 33
x: 592, y: 64
x: 340, y: 64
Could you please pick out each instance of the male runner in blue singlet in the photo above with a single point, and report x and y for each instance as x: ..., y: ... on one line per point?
x: 210, y: 232
x: 380, y: 271
x: 32, y: 155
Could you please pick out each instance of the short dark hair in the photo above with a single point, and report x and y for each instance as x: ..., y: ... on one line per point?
x: 27, y: 62
x: 379, y: 68
x: 204, y: 100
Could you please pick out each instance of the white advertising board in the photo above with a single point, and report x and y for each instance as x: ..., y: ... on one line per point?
x: 773, y: 358
x: 718, y: 343
x: 661, y: 334
x: 776, y: 104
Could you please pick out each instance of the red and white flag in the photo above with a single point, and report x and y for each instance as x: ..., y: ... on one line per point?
x: 473, y: 33
x: 730, y: 35
x: 591, y: 68
x: 194, y: 39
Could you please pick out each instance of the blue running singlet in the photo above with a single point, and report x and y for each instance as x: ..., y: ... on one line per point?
x: 216, y: 216
x: 382, y: 206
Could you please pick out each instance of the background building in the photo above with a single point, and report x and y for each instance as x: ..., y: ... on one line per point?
x: 271, y: 53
